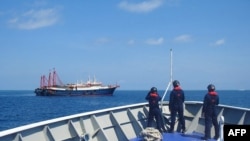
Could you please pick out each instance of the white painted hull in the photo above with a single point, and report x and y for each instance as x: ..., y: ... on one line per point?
x: 119, y: 123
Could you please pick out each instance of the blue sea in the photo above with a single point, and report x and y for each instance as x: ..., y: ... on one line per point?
x: 21, y: 107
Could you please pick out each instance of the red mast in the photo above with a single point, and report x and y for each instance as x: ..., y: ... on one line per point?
x: 43, y: 81
x: 50, y: 79
x: 54, y: 77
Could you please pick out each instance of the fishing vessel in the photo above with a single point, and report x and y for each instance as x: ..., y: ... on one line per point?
x: 127, y: 123
x: 53, y: 86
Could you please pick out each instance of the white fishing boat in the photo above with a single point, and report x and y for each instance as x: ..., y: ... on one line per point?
x: 53, y: 86
x: 126, y: 123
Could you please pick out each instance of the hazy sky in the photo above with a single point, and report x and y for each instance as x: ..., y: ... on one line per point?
x: 126, y: 42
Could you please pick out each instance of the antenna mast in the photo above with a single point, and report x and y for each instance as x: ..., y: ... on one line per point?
x: 171, y: 66
x: 169, y: 84
x: 171, y: 77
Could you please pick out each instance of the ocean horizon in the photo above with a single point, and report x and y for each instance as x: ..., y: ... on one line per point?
x: 22, y: 107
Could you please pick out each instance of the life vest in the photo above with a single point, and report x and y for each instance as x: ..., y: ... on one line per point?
x: 153, y: 99
x: 177, y: 88
x: 213, y: 97
x: 153, y: 95
x: 178, y: 95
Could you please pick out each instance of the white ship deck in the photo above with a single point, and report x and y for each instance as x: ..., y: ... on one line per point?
x: 120, y: 124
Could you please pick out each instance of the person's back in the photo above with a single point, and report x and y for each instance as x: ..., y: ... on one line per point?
x: 176, y: 105
x: 154, y: 110
x: 177, y: 98
x: 153, y: 99
x: 210, y: 101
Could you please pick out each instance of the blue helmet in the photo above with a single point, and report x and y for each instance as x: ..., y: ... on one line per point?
x: 176, y: 83
x: 153, y: 89
x: 211, y: 87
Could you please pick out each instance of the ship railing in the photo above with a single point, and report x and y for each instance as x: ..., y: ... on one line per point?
x: 221, y: 124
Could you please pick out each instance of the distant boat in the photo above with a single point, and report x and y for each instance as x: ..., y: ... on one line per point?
x: 49, y: 87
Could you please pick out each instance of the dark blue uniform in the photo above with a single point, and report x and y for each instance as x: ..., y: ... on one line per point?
x: 154, y: 111
x: 176, y: 105
x: 211, y: 99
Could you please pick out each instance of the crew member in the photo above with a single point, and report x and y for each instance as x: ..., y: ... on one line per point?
x: 154, y: 110
x: 210, y: 101
x: 176, y: 106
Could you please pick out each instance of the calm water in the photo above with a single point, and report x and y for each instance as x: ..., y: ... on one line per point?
x: 23, y: 107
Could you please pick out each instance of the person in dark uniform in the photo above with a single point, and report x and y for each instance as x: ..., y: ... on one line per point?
x: 154, y: 110
x: 176, y: 106
x: 210, y: 101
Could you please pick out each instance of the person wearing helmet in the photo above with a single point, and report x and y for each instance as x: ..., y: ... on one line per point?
x: 210, y: 101
x: 154, y: 110
x: 176, y: 106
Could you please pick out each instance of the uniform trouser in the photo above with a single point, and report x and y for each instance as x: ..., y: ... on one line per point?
x: 155, y: 113
x: 181, y: 118
x: 209, y: 121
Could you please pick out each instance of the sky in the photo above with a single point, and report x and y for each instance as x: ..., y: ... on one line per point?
x: 126, y: 42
